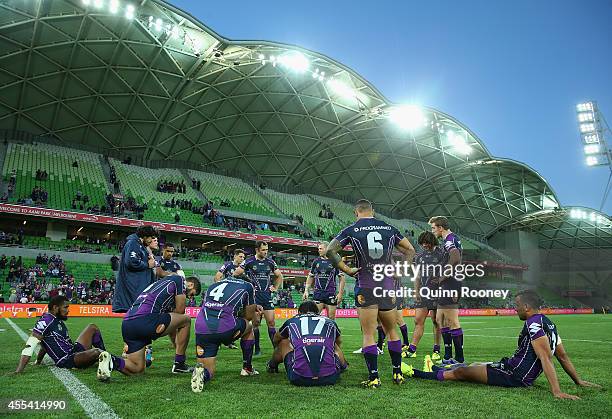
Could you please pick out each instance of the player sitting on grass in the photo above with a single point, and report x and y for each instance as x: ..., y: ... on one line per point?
x: 158, y: 311
x: 228, y: 312
x: 309, y: 345
x: 51, y: 332
x: 538, y: 342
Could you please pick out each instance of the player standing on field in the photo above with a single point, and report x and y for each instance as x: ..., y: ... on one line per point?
x: 448, y: 307
x: 323, y: 274
x: 227, y: 269
x: 259, y: 270
x: 373, y: 242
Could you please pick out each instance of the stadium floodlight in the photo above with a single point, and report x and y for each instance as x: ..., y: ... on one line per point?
x: 158, y: 24
x: 409, y: 117
x: 342, y: 89
x: 295, y: 61
x: 175, y: 32
x: 130, y: 12
x: 86, y: 2
x: 588, y: 127
x: 583, y: 107
x: 591, y: 149
x: 591, y: 138
x: 592, y: 160
x: 113, y: 6
x: 261, y: 57
x: 98, y: 4
x: 586, y: 117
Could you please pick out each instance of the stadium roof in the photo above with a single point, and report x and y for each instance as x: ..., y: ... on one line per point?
x: 567, y: 228
x: 152, y: 81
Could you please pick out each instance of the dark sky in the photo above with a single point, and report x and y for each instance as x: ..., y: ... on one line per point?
x: 512, y: 71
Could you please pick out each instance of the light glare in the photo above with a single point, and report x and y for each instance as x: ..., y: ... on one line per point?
x: 591, y: 149
x: 295, y: 61
x: 113, y: 6
x: 407, y: 116
x: 588, y: 127
x: 129, y: 11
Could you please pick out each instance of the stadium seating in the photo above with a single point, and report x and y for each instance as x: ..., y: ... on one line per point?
x: 308, y: 208
x: 63, y: 181
x: 141, y: 183
x: 241, y: 196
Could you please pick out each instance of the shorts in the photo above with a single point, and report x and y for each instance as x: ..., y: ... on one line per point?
x: 298, y: 380
x: 428, y: 303
x: 444, y: 301
x: 498, y: 376
x: 321, y: 297
x: 68, y: 360
x: 364, y: 297
x: 207, y: 345
x: 264, y: 299
x: 141, y: 331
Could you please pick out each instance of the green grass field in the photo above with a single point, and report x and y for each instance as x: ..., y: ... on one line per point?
x: 158, y: 393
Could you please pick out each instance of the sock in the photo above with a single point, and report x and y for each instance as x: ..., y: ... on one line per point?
x: 457, y: 337
x: 395, y: 350
x: 404, y: 330
x: 97, y: 341
x: 412, y: 348
x: 247, y: 352
x: 370, y: 354
x: 118, y: 363
x: 436, y: 348
x: 256, y: 333
x: 448, y: 342
x: 438, y: 375
x: 381, y: 337
x: 271, y: 333
x: 179, y: 359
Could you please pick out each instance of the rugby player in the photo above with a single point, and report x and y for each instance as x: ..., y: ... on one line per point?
x: 538, y: 341
x: 227, y: 269
x: 448, y: 307
x: 259, y: 270
x: 158, y: 311
x: 51, y: 333
x: 167, y: 266
x: 323, y: 275
x: 228, y: 313
x: 373, y: 242
x: 309, y: 346
x: 430, y: 257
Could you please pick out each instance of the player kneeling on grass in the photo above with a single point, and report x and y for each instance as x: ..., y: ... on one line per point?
x: 309, y: 345
x: 158, y: 311
x: 228, y: 312
x: 538, y: 342
x: 51, y: 332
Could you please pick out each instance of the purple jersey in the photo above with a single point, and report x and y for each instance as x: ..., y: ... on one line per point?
x: 525, y: 364
x: 313, y: 338
x: 373, y: 242
x: 227, y: 269
x: 55, y: 340
x: 428, y: 261
x: 259, y: 272
x: 222, y: 304
x: 157, y: 297
x: 452, y: 242
x: 324, y: 275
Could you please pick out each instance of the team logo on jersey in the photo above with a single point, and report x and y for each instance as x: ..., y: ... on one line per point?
x: 200, y: 350
x: 41, y: 324
x: 59, y: 327
x: 254, y: 267
x: 534, y: 328
x: 133, y: 254
x: 361, y: 299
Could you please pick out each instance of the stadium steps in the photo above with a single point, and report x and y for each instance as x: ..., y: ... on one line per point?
x: 189, y: 184
x: 106, y: 168
x: 276, y: 208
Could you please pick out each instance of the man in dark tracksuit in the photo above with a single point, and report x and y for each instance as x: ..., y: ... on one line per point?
x: 137, y: 261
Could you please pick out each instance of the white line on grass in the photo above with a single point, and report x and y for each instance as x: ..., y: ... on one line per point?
x: 563, y: 338
x: 94, y: 406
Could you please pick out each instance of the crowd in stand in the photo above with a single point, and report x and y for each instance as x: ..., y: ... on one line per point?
x: 171, y: 187
x: 41, y: 175
x: 196, y: 184
x: 326, y: 212
x: 12, y: 239
x: 48, y: 278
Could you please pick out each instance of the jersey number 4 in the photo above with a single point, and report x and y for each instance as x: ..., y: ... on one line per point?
x: 305, y: 325
x: 217, y: 293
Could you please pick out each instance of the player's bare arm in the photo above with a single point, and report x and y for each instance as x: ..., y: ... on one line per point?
x: 41, y: 354
x: 568, y: 367
x: 341, y: 285
x: 180, y: 302
x: 309, y: 282
x: 278, y: 280
x: 238, y: 272
x: 333, y: 254
x: 219, y: 276
x: 31, y: 344
x: 453, y: 260
x: 541, y: 347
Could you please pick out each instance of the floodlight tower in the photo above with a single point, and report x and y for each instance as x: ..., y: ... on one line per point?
x: 593, y: 130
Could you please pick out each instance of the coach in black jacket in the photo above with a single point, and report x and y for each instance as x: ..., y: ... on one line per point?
x: 135, y: 268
